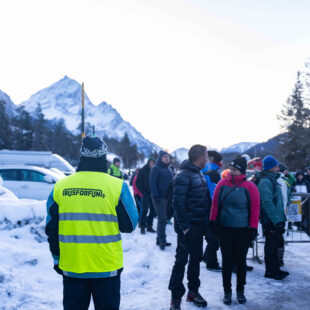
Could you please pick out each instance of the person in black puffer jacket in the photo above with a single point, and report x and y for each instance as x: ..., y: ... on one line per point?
x: 191, y: 203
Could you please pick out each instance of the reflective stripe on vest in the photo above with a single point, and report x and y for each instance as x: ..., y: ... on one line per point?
x: 89, y: 236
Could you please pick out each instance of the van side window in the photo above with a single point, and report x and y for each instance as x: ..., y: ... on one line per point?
x: 10, y: 175
x: 32, y: 176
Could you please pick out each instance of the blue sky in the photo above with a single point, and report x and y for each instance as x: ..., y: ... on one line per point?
x: 181, y: 71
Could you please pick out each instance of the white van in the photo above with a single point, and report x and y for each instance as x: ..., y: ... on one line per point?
x: 33, y: 158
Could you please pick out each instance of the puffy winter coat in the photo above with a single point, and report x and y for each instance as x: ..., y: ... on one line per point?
x: 241, y: 206
x: 272, y: 211
x: 143, y: 180
x: 160, y: 178
x: 191, y: 198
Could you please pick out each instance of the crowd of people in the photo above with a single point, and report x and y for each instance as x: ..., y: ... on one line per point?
x: 88, y: 210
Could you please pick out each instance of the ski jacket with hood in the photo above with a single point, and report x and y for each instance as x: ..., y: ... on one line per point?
x: 272, y: 211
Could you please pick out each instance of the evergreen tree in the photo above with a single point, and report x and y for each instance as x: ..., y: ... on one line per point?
x: 5, y: 129
x: 22, y: 129
x: 40, y: 131
x: 296, y: 119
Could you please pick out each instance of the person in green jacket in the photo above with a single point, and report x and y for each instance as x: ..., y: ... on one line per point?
x: 272, y: 216
x: 114, y: 169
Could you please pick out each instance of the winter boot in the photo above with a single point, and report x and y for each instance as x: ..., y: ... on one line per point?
x: 274, y: 275
x: 249, y: 268
x: 241, y: 298
x: 175, y: 304
x: 215, y: 268
x: 227, y: 298
x: 196, y: 299
x: 150, y: 229
x: 284, y: 273
x: 142, y: 230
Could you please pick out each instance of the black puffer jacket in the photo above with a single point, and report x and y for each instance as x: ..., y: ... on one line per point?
x: 191, y: 197
x: 143, y: 179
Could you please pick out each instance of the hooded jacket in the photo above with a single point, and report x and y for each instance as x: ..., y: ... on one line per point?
x: 160, y: 178
x: 272, y: 211
x: 191, y: 198
x: 143, y: 179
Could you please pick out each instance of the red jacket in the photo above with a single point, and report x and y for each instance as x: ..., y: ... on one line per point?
x: 250, y: 194
x: 134, y: 186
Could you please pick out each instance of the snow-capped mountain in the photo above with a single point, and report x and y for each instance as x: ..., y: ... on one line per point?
x: 10, y: 106
x: 239, y: 147
x: 180, y: 154
x: 63, y: 100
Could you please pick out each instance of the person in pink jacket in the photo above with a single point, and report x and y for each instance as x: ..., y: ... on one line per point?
x: 234, y: 218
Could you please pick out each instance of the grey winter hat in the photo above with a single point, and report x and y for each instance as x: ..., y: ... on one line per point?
x: 282, y: 167
x: 93, y: 147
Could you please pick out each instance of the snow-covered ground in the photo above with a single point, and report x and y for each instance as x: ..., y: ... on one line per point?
x: 28, y: 281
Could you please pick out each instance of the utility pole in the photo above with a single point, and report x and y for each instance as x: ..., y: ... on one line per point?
x: 83, y: 124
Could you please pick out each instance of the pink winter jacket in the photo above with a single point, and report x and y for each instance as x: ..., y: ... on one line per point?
x: 231, y: 209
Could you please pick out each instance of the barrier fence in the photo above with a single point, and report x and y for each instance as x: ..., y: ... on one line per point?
x: 297, y: 225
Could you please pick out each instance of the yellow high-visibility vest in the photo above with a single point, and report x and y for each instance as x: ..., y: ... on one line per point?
x: 89, y: 236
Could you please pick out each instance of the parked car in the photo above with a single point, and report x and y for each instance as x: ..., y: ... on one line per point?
x: 35, y: 158
x: 29, y: 182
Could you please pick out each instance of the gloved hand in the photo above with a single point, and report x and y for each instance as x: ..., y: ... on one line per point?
x: 252, y: 233
x: 57, y: 269
x: 279, y: 227
x: 215, y: 228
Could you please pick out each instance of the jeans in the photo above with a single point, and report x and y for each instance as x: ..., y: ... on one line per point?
x: 189, y: 245
x: 160, y: 207
x: 147, y: 221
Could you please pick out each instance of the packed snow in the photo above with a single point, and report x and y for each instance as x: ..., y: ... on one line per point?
x: 28, y: 281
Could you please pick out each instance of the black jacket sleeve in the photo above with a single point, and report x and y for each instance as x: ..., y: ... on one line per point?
x: 181, y: 185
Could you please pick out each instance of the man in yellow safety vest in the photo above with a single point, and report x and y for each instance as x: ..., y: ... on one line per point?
x: 86, y: 213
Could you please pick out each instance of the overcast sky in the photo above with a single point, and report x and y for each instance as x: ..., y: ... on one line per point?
x: 214, y: 72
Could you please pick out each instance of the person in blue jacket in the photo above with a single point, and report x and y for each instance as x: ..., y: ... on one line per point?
x: 160, y: 180
x: 211, y: 172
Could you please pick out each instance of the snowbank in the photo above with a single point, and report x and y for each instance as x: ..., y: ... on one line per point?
x: 19, y: 212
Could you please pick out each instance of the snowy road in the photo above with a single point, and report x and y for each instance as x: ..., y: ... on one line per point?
x: 27, y: 280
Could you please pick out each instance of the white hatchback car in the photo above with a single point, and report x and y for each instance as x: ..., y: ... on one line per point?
x: 29, y: 182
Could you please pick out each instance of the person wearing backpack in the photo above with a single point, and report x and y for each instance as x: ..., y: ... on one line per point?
x: 191, y: 202
x: 234, y: 218
x: 272, y: 216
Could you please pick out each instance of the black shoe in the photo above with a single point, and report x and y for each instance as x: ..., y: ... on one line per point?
x: 150, y: 229
x: 275, y: 276
x: 227, y: 298
x: 165, y: 244
x: 162, y: 247
x: 215, y: 269
x: 241, y: 298
x: 284, y: 273
x: 175, y: 304
x: 196, y: 299
x: 249, y: 268
x: 142, y: 230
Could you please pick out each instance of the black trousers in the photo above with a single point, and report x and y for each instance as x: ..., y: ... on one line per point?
x: 234, y: 243
x: 273, y: 240
x: 209, y: 255
x: 105, y: 292
x: 189, y: 245
x: 147, y: 205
